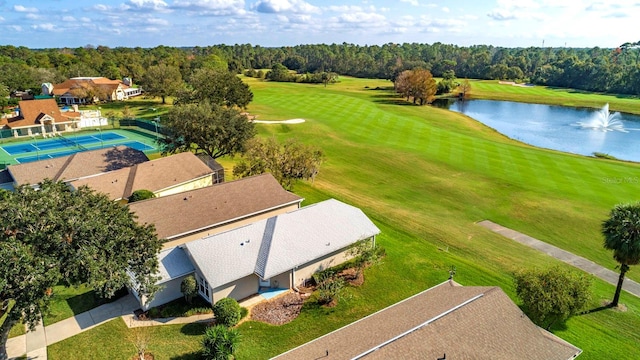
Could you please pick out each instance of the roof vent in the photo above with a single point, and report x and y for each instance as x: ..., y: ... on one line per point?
x: 328, y: 244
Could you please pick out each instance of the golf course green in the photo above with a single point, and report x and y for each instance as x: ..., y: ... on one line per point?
x: 425, y: 176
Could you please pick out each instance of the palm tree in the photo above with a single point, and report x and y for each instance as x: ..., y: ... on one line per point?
x: 622, y: 235
x: 220, y: 343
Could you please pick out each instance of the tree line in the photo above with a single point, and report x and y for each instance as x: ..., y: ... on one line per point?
x: 593, y: 69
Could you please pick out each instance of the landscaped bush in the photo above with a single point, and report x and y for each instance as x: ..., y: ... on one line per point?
x: 329, y: 287
x: 227, y: 312
x: 220, y: 343
x: 189, y: 288
x: 139, y: 195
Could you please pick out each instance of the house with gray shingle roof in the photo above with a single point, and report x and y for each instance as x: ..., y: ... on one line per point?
x: 281, y: 251
x: 447, y: 321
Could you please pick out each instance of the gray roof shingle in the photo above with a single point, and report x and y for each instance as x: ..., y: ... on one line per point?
x: 173, y: 263
x: 273, y: 246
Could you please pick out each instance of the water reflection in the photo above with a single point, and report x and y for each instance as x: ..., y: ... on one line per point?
x: 553, y: 127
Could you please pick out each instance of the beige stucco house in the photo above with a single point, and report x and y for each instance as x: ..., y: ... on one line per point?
x: 281, y: 251
x: 39, y: 117
x: 164, y: 176
x: 80, y: 90
x: 194, y: 214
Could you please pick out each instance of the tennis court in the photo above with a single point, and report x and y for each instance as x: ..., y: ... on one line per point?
x: 39, y: 149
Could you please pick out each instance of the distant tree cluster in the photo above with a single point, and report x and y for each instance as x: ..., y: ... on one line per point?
x: 281, y: 73
x: 417, y: 84
x: 596, y: 69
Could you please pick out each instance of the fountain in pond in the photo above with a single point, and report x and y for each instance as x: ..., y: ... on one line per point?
x: 604, y: 121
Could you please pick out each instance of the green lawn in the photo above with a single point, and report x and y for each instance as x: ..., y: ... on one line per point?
x: 425, y: 176
x: 70, y: 301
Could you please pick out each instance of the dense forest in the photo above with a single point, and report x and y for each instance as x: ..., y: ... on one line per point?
x: 597, y: 69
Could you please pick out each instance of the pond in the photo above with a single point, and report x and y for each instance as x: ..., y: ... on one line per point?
x: 556, y: 127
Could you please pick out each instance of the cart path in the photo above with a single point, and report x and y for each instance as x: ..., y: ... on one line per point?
x: 589, y: 266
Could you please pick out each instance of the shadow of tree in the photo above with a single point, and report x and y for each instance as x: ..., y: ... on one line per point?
x: 194, y: 329
x: 121, y: 157
x: 196, y: 355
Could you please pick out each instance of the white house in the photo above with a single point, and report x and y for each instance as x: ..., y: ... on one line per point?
x: 279, y: 252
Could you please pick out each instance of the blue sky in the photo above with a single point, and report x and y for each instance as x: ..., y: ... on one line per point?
x: 148, y: 23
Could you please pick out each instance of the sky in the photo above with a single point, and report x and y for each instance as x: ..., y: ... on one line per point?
x: 149, y: 23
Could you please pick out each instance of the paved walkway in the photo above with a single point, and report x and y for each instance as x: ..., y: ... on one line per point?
x: 34, y: 343
x: 589, y: 266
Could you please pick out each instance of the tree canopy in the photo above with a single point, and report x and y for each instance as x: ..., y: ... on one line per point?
x: 54, y: 235
x: 621, y: 233
x: 162, y: 80
x: 288, y: 162
x: 218, y: 87
x: 212, y: 129
x: 418, y: 84
x: 552, y: 296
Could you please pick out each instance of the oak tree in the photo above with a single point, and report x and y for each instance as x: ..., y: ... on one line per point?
x: 203, y: 127
x: 54, y: 235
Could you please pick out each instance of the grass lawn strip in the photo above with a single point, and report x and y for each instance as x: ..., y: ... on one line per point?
x: 408, y: 168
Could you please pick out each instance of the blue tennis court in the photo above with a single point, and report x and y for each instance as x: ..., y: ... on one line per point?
x: 132, y: 144
x: 61, y: 142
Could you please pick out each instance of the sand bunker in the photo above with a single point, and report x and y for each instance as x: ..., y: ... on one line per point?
x: 290, y: 121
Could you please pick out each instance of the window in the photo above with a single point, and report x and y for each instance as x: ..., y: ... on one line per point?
x: 203, y: 287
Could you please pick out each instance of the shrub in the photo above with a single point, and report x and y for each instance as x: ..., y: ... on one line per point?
x: 141, y: 195
x: 189, y: 288
x: 227, y: 312
x: 552, y: 296
x: 329, y: 287
x: 219, y: 343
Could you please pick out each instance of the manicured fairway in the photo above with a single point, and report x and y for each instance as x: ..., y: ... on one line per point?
x: 425, y: 176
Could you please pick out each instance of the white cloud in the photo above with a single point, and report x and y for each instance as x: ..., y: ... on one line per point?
x: 412, y: 2
x: 20, y: 8
x: 361, y: 18
x: 211, y: 7
x: 85, y: 19
x: 443, y: 25
x: 45, y: 27
x: 100, y: 7
x: 157, y: 21
x: 344, y: 8
x: 502, y: 14
x: 1, y: 18
x: 68, y: 18
x: 291, y: 6
x: 145, y: 5
x: 32, y: 16
x: 445, y: 9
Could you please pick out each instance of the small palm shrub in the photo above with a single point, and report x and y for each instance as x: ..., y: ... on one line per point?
x: 220, y: 343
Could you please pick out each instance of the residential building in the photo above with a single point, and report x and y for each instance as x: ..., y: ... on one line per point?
x: 164, y: 176
x: 281, y: 251
x: 39, y: 117
x: 447, y: 321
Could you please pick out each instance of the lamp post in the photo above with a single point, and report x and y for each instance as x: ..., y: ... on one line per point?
x: 101, y: 142
x: 37, y: 148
